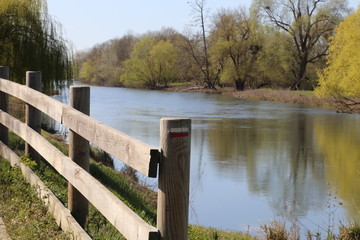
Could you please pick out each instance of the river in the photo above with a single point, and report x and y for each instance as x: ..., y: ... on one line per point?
x: 251, y: 161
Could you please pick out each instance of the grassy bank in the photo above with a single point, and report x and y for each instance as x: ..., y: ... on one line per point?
x: 24, y: 214
x: 138, y: 197
x: 306, y: 98
x: 286, y: 96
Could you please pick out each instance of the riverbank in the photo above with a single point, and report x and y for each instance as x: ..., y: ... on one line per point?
x: 123, y: 184
x: 306, y: 98
x: 24, y: 215
x: 104, y: 174
x: 27, y: 209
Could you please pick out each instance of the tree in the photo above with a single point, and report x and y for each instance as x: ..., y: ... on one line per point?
x: 197, y: 45
x: 152, y: 63
x: 103, y: 64
x: 310, y: 23
x: 186, y: 69
x: 273, y: 67
x: 234, y: 46
x: 341, y: 77
x: 31, y: 40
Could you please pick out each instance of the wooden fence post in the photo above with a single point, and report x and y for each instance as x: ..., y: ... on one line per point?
x: 174, y: 178
x: 32, y: 114
x: 4, y: 101
x: 79, y: 153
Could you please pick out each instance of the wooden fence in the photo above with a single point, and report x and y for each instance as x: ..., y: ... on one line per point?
x: 171, y: 161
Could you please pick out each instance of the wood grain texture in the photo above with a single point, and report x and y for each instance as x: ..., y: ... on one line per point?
x: 79, y: 152
x: 61, y: 214
x: 130, y: 151
x: 32, y: 114
x: 122, y: 217
x: 46, y: 104
x: 4, y: 102
x: 174, y: 178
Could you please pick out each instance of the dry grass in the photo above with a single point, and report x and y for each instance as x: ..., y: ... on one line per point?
x: 276, y: 231
x: 350, y: 232
x: 286, y: 96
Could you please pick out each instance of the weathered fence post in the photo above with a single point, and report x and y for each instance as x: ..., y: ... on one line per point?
x: 4, y: 101
x: 174, y: 178
x: 32, y: 114
x: 79, y: 153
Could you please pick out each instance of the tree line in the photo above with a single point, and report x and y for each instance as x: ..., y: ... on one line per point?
x: 295, y: 44
x: 277, y: 44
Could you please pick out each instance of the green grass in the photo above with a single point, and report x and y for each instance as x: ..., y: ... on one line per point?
x: 120, y: 186
x: 139, y: 198
x: 24, y: 214
x: 203, y: 233
x: 26, y: 217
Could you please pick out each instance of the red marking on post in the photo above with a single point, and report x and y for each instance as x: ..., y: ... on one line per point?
x: 179, y: 134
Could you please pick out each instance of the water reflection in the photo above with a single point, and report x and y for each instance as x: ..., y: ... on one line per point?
x: 339, y: 145
x: 250, y: 160
x: 279, y: 156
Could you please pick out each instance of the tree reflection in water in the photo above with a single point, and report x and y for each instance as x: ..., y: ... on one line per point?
x: 340, y: 148
x: 291, y: 159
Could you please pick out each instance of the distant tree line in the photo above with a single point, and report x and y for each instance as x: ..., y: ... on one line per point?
x: 277, y: 44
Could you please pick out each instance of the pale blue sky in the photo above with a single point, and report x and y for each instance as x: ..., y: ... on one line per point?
x: 88, y: 22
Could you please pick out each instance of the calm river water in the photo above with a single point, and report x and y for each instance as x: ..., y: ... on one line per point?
x: 251, y: 161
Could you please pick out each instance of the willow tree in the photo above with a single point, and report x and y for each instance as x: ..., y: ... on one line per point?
x: 235, y: 46
x: 31, y: 40
x: 341, y: 78
x: 152, y: 63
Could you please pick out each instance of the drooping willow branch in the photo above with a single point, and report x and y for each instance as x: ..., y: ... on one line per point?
x: 31, y: 40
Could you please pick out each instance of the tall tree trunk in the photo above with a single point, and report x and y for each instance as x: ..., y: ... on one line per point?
x: 199, y: 7
x: 239, y: 84
x: 300, y: 76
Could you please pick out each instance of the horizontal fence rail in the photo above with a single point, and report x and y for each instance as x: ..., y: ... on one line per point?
x: 121, y: 216
x: 172, y: 160
x: 144, y: 158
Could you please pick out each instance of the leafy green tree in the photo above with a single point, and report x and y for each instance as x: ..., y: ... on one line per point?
x: 152, y: 63
x: 31, y: 40
x: 164, y: 57
x: 186, y: 69
x: 273, y: 68
x: 235, y: 46
x: 341, y: 77
x: 309, y: 23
